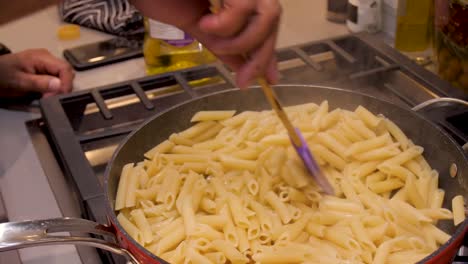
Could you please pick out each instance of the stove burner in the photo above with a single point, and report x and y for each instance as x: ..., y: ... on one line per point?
x: 84, y: 128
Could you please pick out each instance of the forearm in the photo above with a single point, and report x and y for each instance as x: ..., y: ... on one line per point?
x: 239, y: 27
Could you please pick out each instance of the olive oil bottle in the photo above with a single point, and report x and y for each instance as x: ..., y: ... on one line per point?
x: 167, y: 48
x: 414, y: 24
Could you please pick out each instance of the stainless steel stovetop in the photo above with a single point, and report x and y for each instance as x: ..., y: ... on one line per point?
x: 78, y: 132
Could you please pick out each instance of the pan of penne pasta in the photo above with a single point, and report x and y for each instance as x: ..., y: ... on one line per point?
x: 216, y: 180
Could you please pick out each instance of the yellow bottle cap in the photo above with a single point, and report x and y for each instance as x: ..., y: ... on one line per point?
x: 68, y: 32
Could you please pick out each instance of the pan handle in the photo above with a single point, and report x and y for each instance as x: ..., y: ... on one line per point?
x: 447, y: 100
x: 16, y: 235
x: 431, y: 102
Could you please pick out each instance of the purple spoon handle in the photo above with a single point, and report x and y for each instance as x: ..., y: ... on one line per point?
x: 312, y: 166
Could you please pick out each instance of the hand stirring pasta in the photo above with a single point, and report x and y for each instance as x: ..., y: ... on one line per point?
x: 231, y: 189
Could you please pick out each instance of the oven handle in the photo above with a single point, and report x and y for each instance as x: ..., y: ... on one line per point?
x: 432, y: 103
x: 16, y: 235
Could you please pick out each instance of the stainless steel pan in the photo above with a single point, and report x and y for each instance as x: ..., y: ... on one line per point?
x: 440, y: 150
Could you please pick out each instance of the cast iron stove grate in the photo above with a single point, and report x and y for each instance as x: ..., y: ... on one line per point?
x: 84, y: 128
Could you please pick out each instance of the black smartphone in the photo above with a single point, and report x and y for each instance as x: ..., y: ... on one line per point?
x: 102, y: 53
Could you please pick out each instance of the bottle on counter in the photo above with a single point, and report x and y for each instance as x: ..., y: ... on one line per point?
x: 364, y: 15
x: 413, y: 25
x: 167, y: 48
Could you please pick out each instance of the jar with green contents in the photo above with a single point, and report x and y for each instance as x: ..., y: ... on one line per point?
x: 451, y: 41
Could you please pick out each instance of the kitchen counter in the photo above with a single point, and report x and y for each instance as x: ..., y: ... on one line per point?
x: 23, y: 185
x: 302, y: 21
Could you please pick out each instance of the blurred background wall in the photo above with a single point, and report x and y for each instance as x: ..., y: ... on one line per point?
x: 11, y: 10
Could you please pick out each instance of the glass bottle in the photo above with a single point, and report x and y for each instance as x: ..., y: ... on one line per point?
x: 167, y: 48
x: 413, y: 29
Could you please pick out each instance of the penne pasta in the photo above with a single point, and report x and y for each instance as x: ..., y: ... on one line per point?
x: 458, y: 208
x: 405, y: 156
x: 341, y: 239
x: 163, y: 147
x: 132, y: 186
x: 231, y: 253
x: 280, y: 208
x: 367, y: 117
x: 196, y: 257
x: 130, y: 228
x: 332, y: 144
x: 232, y: 189
x: 188, y: 215
x: 233, y: 163
x: 385, y: 186
x: 330, y: 119
x: 262, y: 215
x: 215, y: 221
x: 212, y: 115
x: 328, y: 156
x: 143, y: 225
x: 197, y: 129
x: 380, y: 153
x: 364, y: 146
x: 437, y: 199
x: 334, y: 204
x: 396, y: 132
x: 360, y: 128
x: 122, y: 190
x: 319, y: 115
x: 237, y: 211
x: 216, y: 257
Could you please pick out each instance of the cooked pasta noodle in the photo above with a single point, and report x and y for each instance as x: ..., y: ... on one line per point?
x: 231, y: 189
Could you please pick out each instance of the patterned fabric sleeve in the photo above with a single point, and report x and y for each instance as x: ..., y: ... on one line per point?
x: 116, y: 17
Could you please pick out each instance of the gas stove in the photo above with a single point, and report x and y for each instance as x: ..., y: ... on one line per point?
x: 78, y: 132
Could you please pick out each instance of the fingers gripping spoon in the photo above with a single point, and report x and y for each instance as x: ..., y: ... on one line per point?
x: 295, y: 135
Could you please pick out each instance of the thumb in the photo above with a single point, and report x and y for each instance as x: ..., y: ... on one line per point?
x: 40, y: 83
